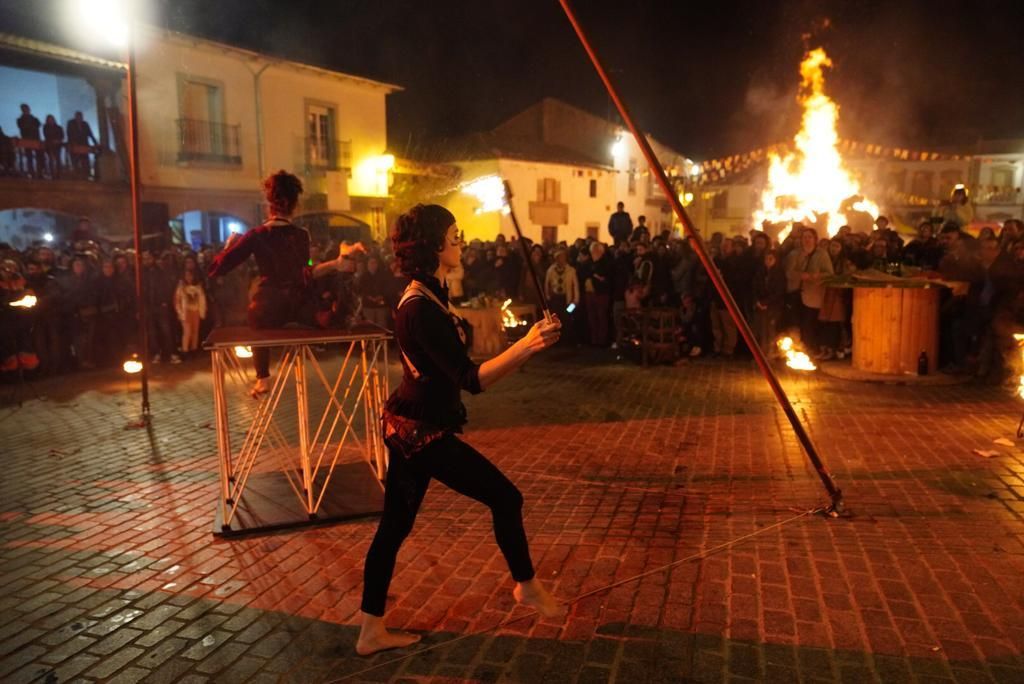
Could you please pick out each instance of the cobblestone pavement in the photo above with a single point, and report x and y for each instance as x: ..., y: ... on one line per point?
x: 109, y: 570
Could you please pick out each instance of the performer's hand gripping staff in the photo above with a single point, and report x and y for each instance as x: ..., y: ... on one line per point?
x: 548, y: 317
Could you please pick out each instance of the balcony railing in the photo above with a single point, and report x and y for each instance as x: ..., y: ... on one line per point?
x: 328, y: 154
x: 209, y: 141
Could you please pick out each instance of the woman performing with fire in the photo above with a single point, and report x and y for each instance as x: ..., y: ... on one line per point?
x: 284, y: 292
x: 423, y: 416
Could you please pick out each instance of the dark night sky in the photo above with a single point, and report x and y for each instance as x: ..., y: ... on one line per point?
x: 708, y: 78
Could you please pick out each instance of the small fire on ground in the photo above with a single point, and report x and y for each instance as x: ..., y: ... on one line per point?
x: 795, y: 359
x: 1019, y: 338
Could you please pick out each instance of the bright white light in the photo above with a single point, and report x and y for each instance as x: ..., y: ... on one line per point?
x: 489, y: 191
x: 243, y: 352
x: 618, y: 147
x: 103, y: 19
x: 235, y: 227
x: 48, y: 237
x: 695, y: 170
x: 132, y: 366
x: 26, y: 302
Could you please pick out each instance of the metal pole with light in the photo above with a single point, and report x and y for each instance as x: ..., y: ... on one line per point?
x: 114, y: 20
x: 133, y: 163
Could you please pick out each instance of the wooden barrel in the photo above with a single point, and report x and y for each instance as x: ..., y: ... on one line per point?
x: 892, y: 326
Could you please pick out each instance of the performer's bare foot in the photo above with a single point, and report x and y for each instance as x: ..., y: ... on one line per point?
x: 374, y: 637
x: 532, y: 593
x: 261, y: 387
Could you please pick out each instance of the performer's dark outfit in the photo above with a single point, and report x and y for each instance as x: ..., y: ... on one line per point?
x: 428, y: 401
x: 282, y: 296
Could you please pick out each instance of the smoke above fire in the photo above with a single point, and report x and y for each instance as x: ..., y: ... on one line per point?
x: 811, y: 184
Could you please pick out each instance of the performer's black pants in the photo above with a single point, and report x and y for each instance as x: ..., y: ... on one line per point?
x: 462, y: 468
x: 273, y: 307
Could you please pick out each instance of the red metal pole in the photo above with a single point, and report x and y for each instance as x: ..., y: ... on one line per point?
x: 834, y: 492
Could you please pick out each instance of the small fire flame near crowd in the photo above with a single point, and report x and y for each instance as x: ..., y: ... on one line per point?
x: 811, y: 185
x: 508, y: 318
x: 795, y: 359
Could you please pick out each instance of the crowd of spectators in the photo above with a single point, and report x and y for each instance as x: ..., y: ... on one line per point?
x: 85, y: 315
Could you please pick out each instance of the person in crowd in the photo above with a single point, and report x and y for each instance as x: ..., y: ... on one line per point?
x: 598, y: 294
x: 109, y: 335
x: 562, y: 289
x: 835, y: 307
x: 29, y: 132
x: 81, y: 299
x: 508, y: 270
x: 80, y: 138
x: 641, y: 233
x: 53, y: 141
x: 958, y: 210
x: 527, y: 287
x: 372, y: 286
x: 281, y: 249
x: 723, y: 327
x: 811, y: 265
x: 160, y: 280
x: 769, y: 294
x: 46, y: 334
x: 190, y: 307
x: 923, y: 251
x: 620, y: 225
x: 423, y: 417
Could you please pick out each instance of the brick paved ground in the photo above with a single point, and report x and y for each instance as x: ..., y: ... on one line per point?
x: 108, y: 569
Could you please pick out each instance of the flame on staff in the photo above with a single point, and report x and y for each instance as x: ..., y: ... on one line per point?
x: 26, y: 302
x: 508, y: 318
x: 795, y: 359
x: 812, y: 183
x: 489, y: 191
x: 243, y: 352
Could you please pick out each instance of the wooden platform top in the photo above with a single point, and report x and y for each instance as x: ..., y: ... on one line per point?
x: 244, y: 336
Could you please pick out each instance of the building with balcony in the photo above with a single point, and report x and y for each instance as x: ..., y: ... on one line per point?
x: 214, y: 120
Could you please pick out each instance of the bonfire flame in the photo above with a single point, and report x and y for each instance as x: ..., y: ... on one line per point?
x: 509, y: 319
x: 795, y: 359
x: 812, y: 184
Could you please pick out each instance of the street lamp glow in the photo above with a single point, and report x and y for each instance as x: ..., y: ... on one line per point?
x: 107, y: 19
x: 618, y: 147
x: 48, y: 237
x: 695, y: 170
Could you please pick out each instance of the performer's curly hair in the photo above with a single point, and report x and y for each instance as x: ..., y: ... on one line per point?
x: 282, y: 191
x: 418, y: 237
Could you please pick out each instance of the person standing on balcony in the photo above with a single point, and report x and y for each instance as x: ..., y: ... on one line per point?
x: 53, y: 134
x: 28, y: 130
x: 79, y: 139
x: 284, y: 293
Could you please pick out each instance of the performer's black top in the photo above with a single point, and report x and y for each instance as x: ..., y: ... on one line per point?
x: 429, y: 337
x: 281, y: 250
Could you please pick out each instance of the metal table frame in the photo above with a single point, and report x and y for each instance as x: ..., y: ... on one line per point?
x: 361, y: 383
